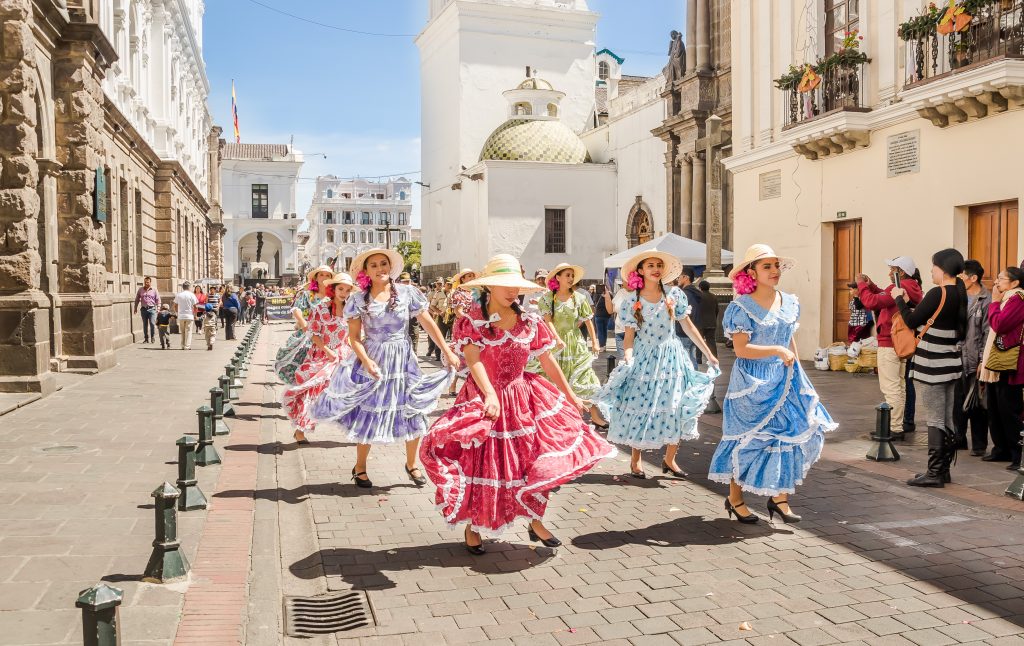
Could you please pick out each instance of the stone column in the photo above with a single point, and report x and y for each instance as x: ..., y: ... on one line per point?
x: 672, y: 186
x: 699, y: 204
x: 691, y: 35
x: 686, y: 199
x: 703, y: 36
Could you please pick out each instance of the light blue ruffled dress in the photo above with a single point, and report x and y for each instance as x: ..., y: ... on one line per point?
x: 774, y: 424
x: 656, y: 399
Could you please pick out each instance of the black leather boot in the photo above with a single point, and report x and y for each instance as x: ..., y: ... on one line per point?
x: 950, y: 446
x: 936, y: 459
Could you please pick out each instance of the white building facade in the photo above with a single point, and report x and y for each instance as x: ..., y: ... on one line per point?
x: 349, y: 216
x: 258, y: 186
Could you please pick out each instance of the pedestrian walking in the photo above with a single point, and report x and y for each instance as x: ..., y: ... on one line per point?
x: 941, y: 321
x: 773, y: 422
x: 148, y: 299
x: 708, y: 316
x: 209, y: 325
x: 185, y: 312
x: 512, y: 436
x: 564, y: 310
x: 1005, y: 404
x: 892, y: 370
x: 213, y: 298
x: 969, y: 409
x: 163, y: 324
x: 385, y: 397
x: 653, y: 399
x: 602, y: 318
x: 200, y: 307
x: 328, y: 331
x: 229, y: 303
x: 292, y: 352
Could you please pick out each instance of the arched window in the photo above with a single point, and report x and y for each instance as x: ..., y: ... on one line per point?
x: 602, y: 70
x: 330, y: 193
x: 362, y: 237
x: 522, y: 109
x: 401, y: 195
x: 330, y: 235
x: 344, y: 236
x: 552, y: 110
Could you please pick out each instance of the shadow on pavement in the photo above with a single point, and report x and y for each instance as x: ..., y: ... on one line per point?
x: 299, y: 495
x: 275, y: 448
x: 678, y: 532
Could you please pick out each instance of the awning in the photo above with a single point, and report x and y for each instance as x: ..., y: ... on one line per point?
x: 689, y: 252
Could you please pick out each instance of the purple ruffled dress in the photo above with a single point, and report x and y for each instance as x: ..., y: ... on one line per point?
x: 393, y: 408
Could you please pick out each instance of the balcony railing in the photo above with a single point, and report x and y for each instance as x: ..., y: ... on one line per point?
x: 841, y: 88
x: 995, y: 31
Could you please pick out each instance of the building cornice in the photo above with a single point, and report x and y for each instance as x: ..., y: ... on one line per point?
x: 182, y: 21
x: 178, y: 174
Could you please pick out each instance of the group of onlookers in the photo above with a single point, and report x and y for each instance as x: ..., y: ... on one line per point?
x: 965, y: 376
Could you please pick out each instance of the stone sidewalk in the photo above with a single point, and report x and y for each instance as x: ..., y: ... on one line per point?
x: 656, y: 561
x: 77, y: 469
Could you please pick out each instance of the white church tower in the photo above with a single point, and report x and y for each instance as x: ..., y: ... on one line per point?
x: 471, y: 52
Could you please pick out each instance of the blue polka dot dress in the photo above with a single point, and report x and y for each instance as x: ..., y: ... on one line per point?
x: 773, y: 422
x: 656, y: 399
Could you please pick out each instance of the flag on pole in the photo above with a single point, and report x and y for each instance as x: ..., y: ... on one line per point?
x: 234, y: 112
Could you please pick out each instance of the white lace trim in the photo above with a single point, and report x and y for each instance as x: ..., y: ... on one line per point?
x: 776, y: 314
x: 502, y: 435
x: 498, y: 484
x: 547, y: 347
x: 746, y: 391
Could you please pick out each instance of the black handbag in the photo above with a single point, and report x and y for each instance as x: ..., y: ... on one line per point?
x: 974, y: 399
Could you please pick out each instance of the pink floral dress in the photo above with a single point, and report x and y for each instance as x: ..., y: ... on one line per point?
x: 316, y: 370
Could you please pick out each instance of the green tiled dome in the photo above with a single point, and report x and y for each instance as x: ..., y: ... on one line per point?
x: 535, y: 140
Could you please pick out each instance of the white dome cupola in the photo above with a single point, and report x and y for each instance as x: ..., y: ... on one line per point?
x: 534, y: 99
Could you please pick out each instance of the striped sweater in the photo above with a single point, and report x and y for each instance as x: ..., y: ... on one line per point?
x: 938, y: 358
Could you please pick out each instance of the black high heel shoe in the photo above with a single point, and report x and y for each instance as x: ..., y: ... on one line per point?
x: 364, y: 484
x: 665, y: 469
x: 475, y: 550
x: 419, y: 480
x: 548, y: 542
x: 773, y: 508
x: 730, y: 511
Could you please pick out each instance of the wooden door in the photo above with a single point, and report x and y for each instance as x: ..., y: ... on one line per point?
x: 992, y: 237
x: 845, y: 267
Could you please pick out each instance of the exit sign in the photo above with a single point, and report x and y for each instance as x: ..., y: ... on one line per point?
x: 840, y: 215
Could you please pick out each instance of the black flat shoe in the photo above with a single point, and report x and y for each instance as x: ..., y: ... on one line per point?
x: 749, y: 519
x: 773, y: 508
x: 419, y: 480
x: 548, y: 542
x: 475, y: 550
x: 360, y: 482
x: 665, y: 468
x: 1012, y: 467
x: 995, y: 457
x: 639, y: 475
x: 978, y: 453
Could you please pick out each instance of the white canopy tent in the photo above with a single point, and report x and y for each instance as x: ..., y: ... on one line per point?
x: 689, y: 252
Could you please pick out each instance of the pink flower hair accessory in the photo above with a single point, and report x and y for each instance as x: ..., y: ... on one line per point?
x: 634, y: 280
x: 314, y: 286
x: 363, y: 280
x: 553, y: 284
x: 744, y: 283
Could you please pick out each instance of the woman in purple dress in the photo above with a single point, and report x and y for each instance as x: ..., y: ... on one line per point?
x: 384, y: 397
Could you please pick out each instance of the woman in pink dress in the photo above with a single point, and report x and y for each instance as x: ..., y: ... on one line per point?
x: 511, y: 436
x: 329, y: 331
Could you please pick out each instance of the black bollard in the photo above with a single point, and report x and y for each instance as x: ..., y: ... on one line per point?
x: 206, y: 453
x: 1016, y: 488
x: 217, y: 404
x: 611, y: 363
x: 100, y: 614
x: 167, y: 562
x: 191, y: 496
x: 884, y: 451
x: 229, y: 410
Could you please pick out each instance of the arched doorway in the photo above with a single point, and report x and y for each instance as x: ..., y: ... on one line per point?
x: 259, y: 255
x: 639, y: 224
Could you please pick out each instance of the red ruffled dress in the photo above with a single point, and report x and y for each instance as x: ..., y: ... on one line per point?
x: 492, y: 473
x: 315, y: 373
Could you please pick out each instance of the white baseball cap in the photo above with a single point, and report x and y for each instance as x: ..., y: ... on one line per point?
x: 906, y: 263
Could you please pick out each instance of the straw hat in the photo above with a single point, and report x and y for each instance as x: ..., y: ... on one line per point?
x: 577, y: 271
x: 340, y: 278
x: 757, y: 252
x: 673, y: 267
x: 313, y: 272
x: 457, y: 278
x: 397, y: 262
x: 503, y: 270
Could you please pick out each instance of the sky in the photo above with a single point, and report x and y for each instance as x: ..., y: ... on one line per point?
x: 352, y: 100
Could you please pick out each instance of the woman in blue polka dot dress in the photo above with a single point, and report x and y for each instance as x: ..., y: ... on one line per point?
x: 653, y: 399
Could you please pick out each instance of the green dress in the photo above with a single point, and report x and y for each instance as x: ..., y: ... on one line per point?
x: 575, y: 359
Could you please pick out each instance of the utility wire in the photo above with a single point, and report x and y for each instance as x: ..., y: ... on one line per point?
x: 326, y: 26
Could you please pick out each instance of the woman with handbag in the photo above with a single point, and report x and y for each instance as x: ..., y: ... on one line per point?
x: 941, y: 321
x: 1004, y: 366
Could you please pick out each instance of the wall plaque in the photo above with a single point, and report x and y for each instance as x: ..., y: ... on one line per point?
x: 100, y: 200
x: 903, y: 153
x: 770, y: 185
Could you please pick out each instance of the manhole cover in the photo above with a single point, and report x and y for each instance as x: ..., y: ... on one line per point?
x: 60, y: 449
x: 327, y: 613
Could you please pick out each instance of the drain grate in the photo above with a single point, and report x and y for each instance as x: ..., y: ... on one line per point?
x: 327, y: 613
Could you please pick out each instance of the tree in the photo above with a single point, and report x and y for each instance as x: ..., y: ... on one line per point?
x: 410, y: 252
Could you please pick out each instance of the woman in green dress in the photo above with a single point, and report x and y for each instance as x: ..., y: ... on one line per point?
x: 565, y: 311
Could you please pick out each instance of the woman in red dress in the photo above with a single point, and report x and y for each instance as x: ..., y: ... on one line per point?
x: 511, y: 436
x: 330, y: 349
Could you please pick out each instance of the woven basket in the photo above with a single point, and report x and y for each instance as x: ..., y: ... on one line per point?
x: 868, y: 358
x: 852, y: 366
x: 837, y: 362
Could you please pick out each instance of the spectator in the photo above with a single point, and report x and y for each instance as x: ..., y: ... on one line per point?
x: 859, y: 325
x: 601, y: 319
x: 149, y: 299
x: 437, y: 305
x: 614, y: 303
x: 250, y: 306
x: 1004, y: 396
x: 184, y: 311
x: 261, y: 303
x: 708, y: 316
x: 231, y: 308
x: 209, y: 326
x: 213, y: 298
x: 978, y: 300
x: 693, y: 295
x: 163, y: 324
x: 200, y: 306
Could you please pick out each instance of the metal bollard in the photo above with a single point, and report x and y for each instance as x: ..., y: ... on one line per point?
x: 100, y: 614
x: 191, y: 496
x: 232, y: 391
x: 217, y: 404
x: 229, y: 410
x: 206, y: 452
x: 167, y: 562
x: 884, y: 451
x: 1016, y: 488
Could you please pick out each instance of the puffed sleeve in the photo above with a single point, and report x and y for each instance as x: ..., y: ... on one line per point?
x: 417, y: 301
x: 625, y: 312
x: 355, y: 305
x: 584, y: 312
x: 736, y: 320
x: 542, y: 341
x: 467, y: 331
x: 682, y: 304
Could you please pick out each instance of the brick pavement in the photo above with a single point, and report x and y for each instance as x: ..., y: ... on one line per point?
x: 76, y: 470
x: 656, y: 562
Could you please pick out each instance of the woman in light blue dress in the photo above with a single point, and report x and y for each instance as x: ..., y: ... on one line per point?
x: 774, y: 425
x: 653, y: 399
